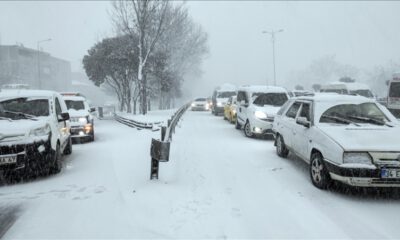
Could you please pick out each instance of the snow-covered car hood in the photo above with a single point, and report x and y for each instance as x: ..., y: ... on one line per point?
x: 222, y: 100
x: 364, y: 138
x: 78, y: 113
x: 20, y: 127
x: 268, y: 109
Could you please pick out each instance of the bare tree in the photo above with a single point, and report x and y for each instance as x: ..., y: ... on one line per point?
x: 144, y: 19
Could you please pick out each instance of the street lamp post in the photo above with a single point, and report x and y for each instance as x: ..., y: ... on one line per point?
x: 272, y: 32
x: 38, y: 59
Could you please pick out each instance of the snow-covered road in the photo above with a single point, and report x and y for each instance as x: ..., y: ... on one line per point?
x: 218, y: 184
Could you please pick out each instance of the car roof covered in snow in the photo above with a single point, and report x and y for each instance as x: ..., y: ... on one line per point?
x: 262, y: 88
x: 334, y: 97
x: 349, y: 86
x: 7, y: 94
x: 74, y: 98
x: 226, y: 87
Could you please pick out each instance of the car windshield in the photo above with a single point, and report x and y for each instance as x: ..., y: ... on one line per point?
x: 73, y: 104
x: 354, y: 113
x: 394, y: 90
x: 363, y: 92
x: 225, y: 94
x: 200, y: 99
x: 274, y: 99
x: 22, y: 108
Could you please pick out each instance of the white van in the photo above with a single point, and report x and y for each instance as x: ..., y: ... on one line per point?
x: 348, y: 88
x: 220, y: 97
x: 393, y: 102
x: 257, y: 107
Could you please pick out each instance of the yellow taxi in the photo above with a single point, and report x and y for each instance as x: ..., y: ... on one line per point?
x: 230, y: 110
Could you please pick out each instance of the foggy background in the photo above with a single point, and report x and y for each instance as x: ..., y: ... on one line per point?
x: 362, y: 34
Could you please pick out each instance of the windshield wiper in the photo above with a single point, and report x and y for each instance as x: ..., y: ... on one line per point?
x: 371, y: 120
x: 4, y: 118
x: 25, y: 115
x: 340, y: 119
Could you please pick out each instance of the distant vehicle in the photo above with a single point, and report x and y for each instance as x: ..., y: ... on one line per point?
x: 34, y: 133
x: 348, y: 88
x: 72, y: 94
x: 393, y: 101
x: 15, y: 86
x: 82, y: 121
x: 230, y: 109
x: 200, y: 104
x: 350, y: 139
x: 257, y: 107
x: 220, y: 98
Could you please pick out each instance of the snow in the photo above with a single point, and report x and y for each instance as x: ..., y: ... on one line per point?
x: 262, y: 88
x: 26, y: 93
x: 155, y: 116
x: 218, y: 184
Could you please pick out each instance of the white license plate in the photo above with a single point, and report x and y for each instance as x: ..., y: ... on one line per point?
x: 8, y: 159
x: 390, y: 173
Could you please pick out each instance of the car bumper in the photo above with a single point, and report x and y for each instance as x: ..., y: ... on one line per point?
x: 218, y: 109
x: 26, y: 154
x: 261, y: 127
x: 360, y: 177
x: 81, y: 131
x: 199, y: 108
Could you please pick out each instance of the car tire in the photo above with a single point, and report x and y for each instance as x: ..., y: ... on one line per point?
x: 247, y: 130
x: 68, y: 148
x: 56, y: 164
x: 281, y: 149
x: 319, y: 174
x: 237, y: 125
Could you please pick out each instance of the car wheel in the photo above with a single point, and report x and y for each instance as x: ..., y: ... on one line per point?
x: 68, y: 148
x: 281, y: 149
x: 247, y: 130
x: 56, y: 163
x: 318, y: 172
x: 237, y: 125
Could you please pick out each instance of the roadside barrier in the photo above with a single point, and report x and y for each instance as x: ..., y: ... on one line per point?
x: 159, y: 150
x: 135, y: 124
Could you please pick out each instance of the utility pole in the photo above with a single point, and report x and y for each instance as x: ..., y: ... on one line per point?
x: 272, y: 32
x: 38, y: 60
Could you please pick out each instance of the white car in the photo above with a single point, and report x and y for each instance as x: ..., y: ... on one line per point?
x: 82, y: 121
x: 257, y: 107
x: 351, y: 139
x: 34, y: 132
x: 200, y: 104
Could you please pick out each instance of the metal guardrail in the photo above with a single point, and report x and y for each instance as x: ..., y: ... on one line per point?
x: 159, y: 150
x: 135, y: 124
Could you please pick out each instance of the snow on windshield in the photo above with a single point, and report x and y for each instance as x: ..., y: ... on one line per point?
x: 274, y: 99
x: 77, y: 105
x: 357, y: 113
x: 18, y: 108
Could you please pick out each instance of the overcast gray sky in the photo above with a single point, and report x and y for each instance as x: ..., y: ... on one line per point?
x: 363, y: 34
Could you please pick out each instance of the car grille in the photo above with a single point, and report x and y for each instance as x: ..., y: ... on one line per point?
x: 14, y: 149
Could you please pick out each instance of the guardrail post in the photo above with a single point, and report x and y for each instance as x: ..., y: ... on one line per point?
x: 101, y: 115
x: 154, y: 168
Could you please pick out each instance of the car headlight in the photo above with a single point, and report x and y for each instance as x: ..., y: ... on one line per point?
x: 234, y: 111
x: 193, y: 104
x: 220, y: 104
x: 42, y: 131
x: 260, y: 115
x: 83, y: 120
x: 357, y: 157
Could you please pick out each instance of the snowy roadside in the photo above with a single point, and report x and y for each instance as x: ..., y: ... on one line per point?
x: 156, y: 116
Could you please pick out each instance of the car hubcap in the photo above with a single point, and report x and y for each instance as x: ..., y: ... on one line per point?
x: 247, y: 129
x: 316, y: 169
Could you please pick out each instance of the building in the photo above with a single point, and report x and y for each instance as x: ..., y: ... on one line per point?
x: 20, y: 65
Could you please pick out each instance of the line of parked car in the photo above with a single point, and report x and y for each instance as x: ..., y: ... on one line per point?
x: 344, y: 137
x: 37, y: 128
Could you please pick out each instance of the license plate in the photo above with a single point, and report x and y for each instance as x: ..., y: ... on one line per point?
x: 390, y: 173
x: 8, y: 159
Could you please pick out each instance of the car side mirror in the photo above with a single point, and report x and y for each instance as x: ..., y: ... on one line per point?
x: 92, y: 109
x: 303, y: 121
x: 63, y: 117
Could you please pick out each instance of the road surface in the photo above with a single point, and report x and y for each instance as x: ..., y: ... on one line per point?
x: 218, y: 184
